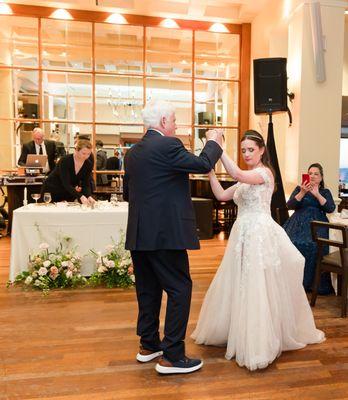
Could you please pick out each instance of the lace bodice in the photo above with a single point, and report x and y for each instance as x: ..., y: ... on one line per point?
x: 254, y: 198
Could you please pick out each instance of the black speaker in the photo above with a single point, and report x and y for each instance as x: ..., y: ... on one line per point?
x: 270, y: 85
x: 204, y: 217
x: 205, y: 118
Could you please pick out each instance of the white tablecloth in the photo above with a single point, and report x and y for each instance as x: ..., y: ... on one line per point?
x: 335, y: 218
x: 336, y: 235
x: 89, y: 229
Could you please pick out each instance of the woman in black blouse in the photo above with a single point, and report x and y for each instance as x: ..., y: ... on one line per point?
x: 70, y: 180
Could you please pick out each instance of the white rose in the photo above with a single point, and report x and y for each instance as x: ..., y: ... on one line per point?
x: 105, y: 260
x: 47, y: 263
x: 111, y: 264
x: 37, y: 283
x: 65, y: 263
x: 44, y: 246
x: 43, y: 271
x: 102, y: 269
x: 69, y: 274
x: 28, y: 280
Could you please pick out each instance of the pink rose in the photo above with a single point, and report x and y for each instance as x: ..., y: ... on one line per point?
x: 54, y: 272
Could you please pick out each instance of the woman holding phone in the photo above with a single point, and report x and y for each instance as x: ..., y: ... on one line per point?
x: 311, y: 201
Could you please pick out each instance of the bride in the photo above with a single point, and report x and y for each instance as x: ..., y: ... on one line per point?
x: 255, y: 305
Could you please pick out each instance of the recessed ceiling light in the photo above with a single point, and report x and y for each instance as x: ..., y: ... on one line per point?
x: 219, y: 28
x: 5, y: 9
x: 169, y: 23
x: 61, y: 13
x: 116, y: 19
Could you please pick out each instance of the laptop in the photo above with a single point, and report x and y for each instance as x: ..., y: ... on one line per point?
x: 36, y: 160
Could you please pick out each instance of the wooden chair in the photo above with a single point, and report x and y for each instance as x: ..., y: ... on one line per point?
x: 336, y: 262
x: 227, y: 217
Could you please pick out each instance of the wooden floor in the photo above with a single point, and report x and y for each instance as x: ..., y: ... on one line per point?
x: 81, y: 345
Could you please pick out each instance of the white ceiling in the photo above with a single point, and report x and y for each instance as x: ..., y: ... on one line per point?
x: 235, y: 11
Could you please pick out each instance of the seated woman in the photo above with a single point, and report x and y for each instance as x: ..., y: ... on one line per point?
x: 311, y: 201
x: 70, y: 180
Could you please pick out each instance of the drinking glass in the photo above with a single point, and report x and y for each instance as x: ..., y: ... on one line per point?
x: 113, y: 199
x: 47, y: 198
x: 35, y: 196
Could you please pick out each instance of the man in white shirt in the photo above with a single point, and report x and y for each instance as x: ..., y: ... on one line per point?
x: 40, y: 146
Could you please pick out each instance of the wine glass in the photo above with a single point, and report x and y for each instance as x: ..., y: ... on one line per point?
x: 113, y: 199
x: 47, y: 197
x: 35, y: 196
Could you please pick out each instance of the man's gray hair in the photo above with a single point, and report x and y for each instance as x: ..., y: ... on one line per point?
x: 37, y: 130
x: 154, y: 111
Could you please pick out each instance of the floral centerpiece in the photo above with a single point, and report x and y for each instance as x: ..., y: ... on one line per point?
x: 52, y: 269
x: 114, y: 267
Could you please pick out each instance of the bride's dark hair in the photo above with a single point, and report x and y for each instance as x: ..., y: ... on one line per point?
x: 260, y: 143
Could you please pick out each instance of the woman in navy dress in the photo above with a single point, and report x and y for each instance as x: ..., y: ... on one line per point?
x: 311, y: 201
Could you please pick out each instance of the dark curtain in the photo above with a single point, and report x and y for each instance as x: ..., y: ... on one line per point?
x: 278, y: 205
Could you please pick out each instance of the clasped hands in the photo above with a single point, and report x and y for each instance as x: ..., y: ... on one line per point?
x: 215, y: 134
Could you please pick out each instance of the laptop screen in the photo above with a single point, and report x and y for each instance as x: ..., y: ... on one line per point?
x: 36, y: 160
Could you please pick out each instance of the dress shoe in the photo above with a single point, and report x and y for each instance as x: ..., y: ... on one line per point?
x: 147, y: 355
x: 184, y: 366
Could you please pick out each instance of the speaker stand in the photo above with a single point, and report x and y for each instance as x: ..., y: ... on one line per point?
x: 278, y: 204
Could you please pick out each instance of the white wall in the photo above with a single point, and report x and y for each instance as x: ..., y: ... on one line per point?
x: 269, y: 38
x: 345, y: 60
x: 283, y: 30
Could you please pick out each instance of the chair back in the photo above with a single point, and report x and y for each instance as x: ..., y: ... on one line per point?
x: 316, y: 225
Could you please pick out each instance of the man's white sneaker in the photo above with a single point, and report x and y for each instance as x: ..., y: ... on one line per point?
x: 147, y: 355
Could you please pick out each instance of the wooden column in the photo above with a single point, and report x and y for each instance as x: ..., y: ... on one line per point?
x: 244, y: 97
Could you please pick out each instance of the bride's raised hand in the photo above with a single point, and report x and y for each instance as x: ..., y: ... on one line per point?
x: 210, y: 134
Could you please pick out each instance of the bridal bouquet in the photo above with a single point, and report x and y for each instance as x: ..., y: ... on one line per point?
x: 114, y: 267
x: 47, y: 269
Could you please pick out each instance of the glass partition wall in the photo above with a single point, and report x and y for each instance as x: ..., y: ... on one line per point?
x: 77, y: 77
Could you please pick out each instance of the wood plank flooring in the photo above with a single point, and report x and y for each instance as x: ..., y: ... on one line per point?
x: 81, y: 344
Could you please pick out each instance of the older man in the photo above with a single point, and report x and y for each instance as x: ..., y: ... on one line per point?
x: 39, y: 146
x: 161, y: 227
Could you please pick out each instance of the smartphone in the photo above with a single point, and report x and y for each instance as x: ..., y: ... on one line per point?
x: 305, y: 179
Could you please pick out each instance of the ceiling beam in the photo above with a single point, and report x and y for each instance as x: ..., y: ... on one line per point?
x: 99, y: 16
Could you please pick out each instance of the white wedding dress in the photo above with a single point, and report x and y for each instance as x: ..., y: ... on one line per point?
x: 256, y: 305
